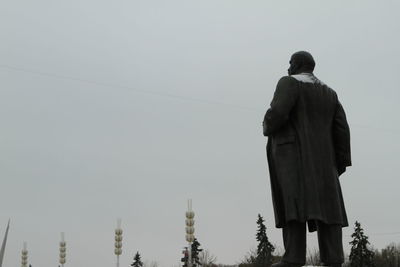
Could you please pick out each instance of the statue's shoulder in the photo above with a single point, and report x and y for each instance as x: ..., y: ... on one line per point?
x: 287, y: 81
x: 287, y: 78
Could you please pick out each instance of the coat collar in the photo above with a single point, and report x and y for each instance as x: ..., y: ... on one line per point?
x: 306, y: 77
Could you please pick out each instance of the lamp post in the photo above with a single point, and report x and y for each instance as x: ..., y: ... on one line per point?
x: 190, y: 229
x: 118, y: 241
x: 63, y: 250
x: 24, y: 256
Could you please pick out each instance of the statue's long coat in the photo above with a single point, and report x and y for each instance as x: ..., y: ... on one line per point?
x: 308, y: 148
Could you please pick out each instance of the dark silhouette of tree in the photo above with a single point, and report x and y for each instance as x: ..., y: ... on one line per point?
x: 265, y: 248
x: 250, y: 259
x: 137, y: 262
x: 360, y: 254
x: 207, y: 259
x: 388, y: 257
x: 313, y: 258
x: 195, y: 253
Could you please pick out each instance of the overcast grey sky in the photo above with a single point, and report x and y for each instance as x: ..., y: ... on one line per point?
x: 128, y: 108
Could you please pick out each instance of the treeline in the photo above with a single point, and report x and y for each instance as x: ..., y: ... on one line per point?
x: 362, y: 253
x: 388, y: 257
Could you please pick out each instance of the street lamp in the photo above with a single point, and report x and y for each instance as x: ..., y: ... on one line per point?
x: 118, y: 241
x: 63, y: 250
x: 190, y: 229
x: 24, y: 256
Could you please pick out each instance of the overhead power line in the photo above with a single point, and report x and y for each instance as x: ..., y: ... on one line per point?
x: 161, y: 94
x: 105, y: 84
x: 390, y: 233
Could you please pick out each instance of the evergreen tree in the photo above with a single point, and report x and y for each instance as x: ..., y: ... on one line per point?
x: 264, y: 248
x: 137, y: 262
x: 360, y: 254
x: 195, y: 253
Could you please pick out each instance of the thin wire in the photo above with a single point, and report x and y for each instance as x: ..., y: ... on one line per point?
x: 389, y: 233
x: 363, y: 126
x: 163, y: 94
x: 104, y: 84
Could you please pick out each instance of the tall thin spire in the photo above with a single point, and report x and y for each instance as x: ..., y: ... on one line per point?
x: 3, y: 245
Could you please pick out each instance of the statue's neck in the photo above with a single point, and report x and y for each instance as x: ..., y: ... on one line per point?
x: 302, y: 71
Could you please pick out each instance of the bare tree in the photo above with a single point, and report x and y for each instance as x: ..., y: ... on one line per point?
x: 150, y: 264
x: 250, y: 257
x: 313, y: 257
x: 207, y: 259
x: 388, y: 256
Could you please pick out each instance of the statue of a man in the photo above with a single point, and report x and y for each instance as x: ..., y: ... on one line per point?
x: 308, y: 149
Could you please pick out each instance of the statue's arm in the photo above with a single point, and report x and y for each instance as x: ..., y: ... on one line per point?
x: 341, y: 139
x: 284, y: 99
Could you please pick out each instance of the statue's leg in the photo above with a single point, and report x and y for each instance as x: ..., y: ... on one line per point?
x: 294, y: 240
x: 330, y: 243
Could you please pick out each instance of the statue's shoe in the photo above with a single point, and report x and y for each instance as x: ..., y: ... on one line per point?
x: 285, y: 264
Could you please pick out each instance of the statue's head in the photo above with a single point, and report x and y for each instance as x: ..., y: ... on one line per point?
x: 300, y: 62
